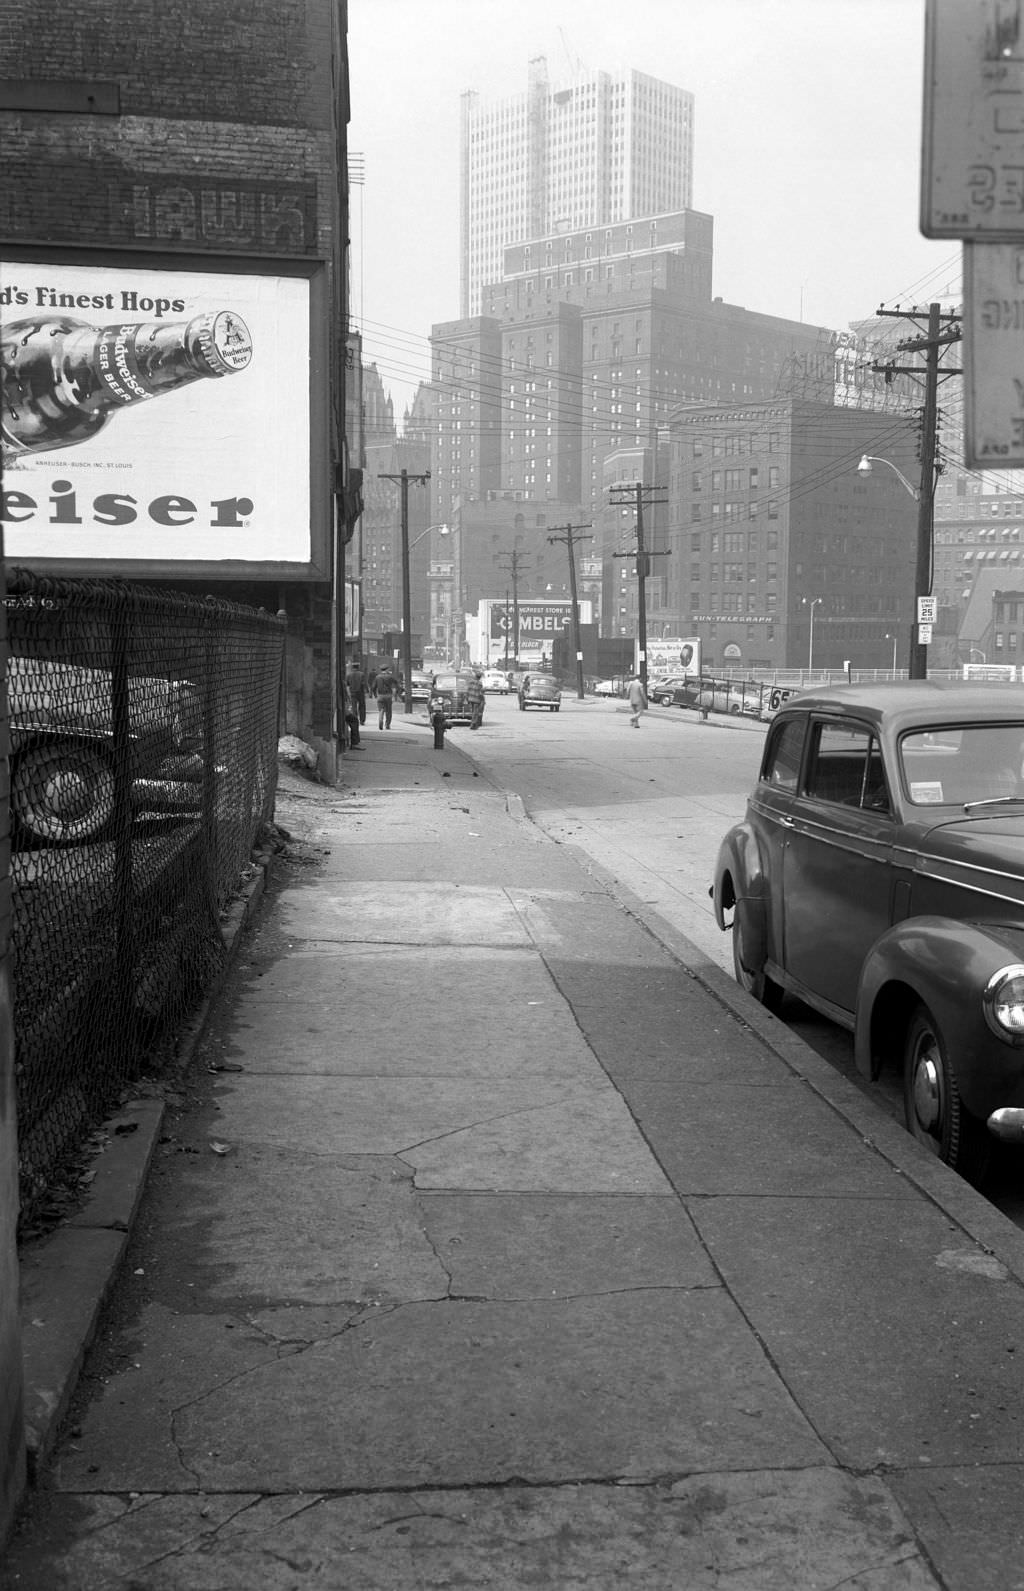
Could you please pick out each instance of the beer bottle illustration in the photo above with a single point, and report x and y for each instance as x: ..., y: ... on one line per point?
x: 63, y: 379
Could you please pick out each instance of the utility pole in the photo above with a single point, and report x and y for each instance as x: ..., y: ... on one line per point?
x: 567, y: 541
x: 514, y: 563
x: 930, y: 345
x: 506, y: 629
x: 641, y: 495
x: 403, y: 479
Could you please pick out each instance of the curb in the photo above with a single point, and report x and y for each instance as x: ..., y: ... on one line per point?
x: 66, y: 1278
x: 959, y: 1202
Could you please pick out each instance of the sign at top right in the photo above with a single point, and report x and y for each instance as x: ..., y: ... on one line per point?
x: 972, y: 165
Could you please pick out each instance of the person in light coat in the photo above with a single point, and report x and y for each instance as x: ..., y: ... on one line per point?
x: 637, y: 700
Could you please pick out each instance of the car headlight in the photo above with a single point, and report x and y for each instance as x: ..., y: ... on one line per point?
x: 1003, y: 1003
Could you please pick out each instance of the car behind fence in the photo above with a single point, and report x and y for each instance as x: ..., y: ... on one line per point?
x: 143, y: 737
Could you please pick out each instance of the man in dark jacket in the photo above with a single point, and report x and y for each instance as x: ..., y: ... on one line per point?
x: 384, y: 690
x: 357, y: 685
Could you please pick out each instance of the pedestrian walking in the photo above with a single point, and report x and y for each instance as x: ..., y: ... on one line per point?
x: 384, y: 690
x: 351, y: 714
x: 637, y: 700
x: 475, y: 699
x: 357, y: 685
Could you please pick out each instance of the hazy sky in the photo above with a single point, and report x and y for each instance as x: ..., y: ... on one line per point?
x: 807, y: 146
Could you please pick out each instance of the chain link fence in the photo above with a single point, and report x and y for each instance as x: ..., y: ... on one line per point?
x: 143, y: 730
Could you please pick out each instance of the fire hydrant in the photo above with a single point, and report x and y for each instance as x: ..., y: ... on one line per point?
x: 437, y: 719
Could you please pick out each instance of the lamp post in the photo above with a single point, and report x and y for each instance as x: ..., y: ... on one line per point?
x: 893, y: 639
x: 918, y: 661
x: 812, y: 603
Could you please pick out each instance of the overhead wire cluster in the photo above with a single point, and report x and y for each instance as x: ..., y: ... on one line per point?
x: 487, y: 380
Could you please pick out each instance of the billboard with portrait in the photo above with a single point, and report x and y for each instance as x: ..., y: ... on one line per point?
x: 674, y: 655
x: 158, y: 418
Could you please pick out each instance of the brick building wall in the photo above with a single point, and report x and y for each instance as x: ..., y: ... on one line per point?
x: 169, y: 130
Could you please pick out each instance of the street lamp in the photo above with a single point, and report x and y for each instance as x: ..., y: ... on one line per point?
x: 864, y: 468
x: 917, y: 659
x: 893, y: 639
x: 812, y: 603
x: 438, y: 530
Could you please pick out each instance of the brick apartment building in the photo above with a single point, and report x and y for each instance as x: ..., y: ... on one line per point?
x: 783, y: 556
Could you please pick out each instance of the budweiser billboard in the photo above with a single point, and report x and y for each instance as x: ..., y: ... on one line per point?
x: 155, y: 417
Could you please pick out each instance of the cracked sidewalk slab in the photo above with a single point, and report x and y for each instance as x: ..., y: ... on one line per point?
x: 530, y: 1134
x: 707, y: 1532
x: 627, y: 1386
x: 320, y: 1012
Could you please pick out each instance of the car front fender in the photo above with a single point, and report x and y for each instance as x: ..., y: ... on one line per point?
x: 740, y: 876
x: 945, y: 964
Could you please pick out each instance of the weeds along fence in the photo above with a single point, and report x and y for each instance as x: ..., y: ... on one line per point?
x: 143, y: 730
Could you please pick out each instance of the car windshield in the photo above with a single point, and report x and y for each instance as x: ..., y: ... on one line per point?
x: 965, y: 765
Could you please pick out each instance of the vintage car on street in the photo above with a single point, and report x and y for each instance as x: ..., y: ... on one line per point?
x: 878, y: 876
x: 422, y: 684
x: 540, y: 690
x: 610, y: 687
x: 449, y: 695
x: 674, y: 690
x: 495, y: 682
x: 64, y: 760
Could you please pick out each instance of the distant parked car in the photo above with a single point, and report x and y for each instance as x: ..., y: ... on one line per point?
x: 674, y: 691
x: 878, y: 876
x: 63, y: 752
x: 495, y: 681
x: 610, y: 687
x: 540, y: 690
x: 422, y: 683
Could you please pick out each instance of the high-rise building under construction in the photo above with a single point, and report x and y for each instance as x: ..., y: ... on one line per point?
x: 601, y: 149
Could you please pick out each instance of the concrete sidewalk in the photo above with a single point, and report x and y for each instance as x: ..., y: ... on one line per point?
x: 497, y: 1248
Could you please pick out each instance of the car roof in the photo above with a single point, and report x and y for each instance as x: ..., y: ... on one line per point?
x: 905, y: 703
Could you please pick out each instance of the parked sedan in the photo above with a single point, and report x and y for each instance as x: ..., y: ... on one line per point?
x: 63, y: 755
x: 422, y: 684
x: 540, y: 690
x: 674, y: 691
x: 878, y: 875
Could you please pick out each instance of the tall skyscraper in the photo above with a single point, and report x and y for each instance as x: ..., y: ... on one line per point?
x: 597, y: 151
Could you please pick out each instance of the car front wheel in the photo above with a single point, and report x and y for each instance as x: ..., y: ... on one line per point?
x: 62, y: 794
x: 663, y: 701
x: 934, y: 1111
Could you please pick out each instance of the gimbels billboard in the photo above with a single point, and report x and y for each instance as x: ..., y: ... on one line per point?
x: 541, y: 620
x: 154, y: 420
